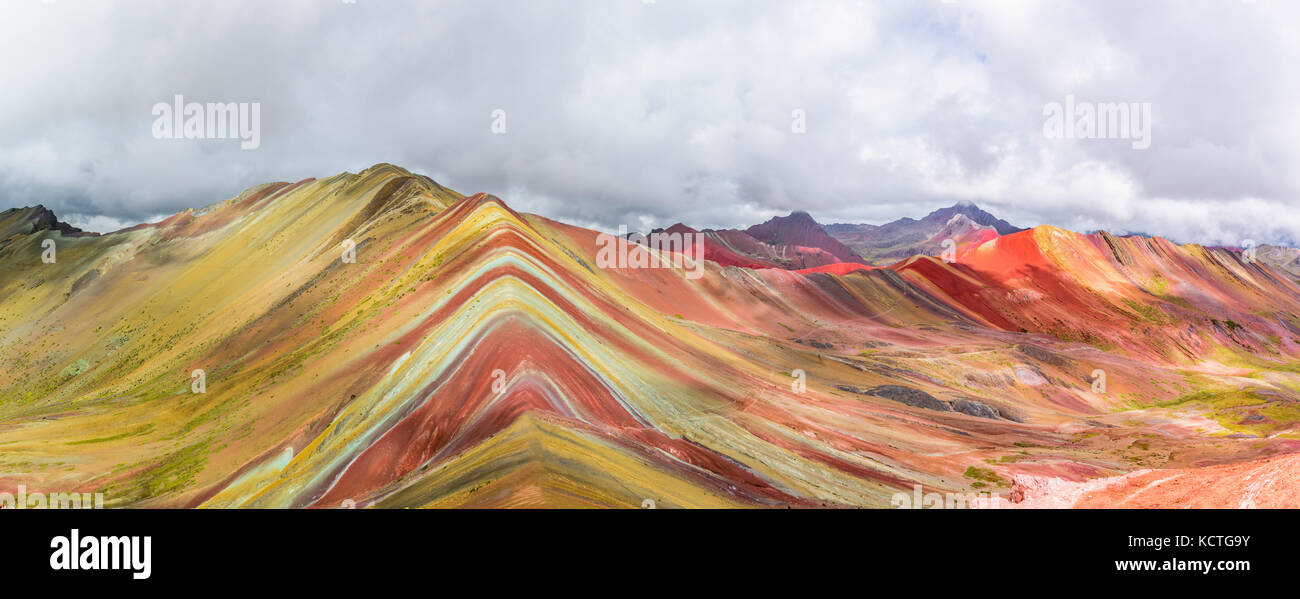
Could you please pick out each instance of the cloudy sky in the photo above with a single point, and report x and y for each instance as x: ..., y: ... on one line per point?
x: 652, y: 112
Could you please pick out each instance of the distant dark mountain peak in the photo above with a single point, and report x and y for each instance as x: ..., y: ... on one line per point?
x: 973, y: 212
x: 674, y: 228
x: 43, y: 219
x: 897, y: 240
x: 801, y: 229
x: 797, y: 220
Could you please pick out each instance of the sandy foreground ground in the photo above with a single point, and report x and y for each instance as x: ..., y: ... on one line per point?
x: 1267, y: 483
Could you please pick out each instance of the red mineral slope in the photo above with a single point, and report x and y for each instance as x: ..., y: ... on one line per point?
x: 718, y: 249
x: 838, y: 268
x: 1148, y: 296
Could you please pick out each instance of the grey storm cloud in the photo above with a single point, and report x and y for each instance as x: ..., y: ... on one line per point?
x: 649, y: 113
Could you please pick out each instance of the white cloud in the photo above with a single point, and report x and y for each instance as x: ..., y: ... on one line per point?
x: 99, y: 223
x: 675, y: 110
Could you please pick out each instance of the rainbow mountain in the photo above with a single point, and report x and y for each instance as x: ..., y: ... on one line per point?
x: 376, y: 339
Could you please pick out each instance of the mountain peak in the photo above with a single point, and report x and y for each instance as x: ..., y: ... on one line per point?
x: 801, y: 229
x: 384, y: 168
x: 40, y: 218
x: 979, y: 216
x: 961, y: 220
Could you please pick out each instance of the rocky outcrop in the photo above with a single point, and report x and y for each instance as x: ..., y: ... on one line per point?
x: 920, y: 399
